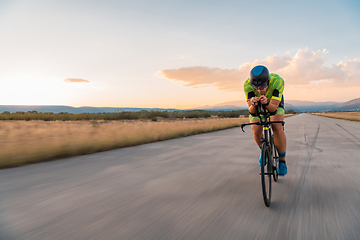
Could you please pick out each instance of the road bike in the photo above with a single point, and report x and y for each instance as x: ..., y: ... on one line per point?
x: 269, y: 154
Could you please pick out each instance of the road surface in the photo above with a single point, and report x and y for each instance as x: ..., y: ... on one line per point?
x: 199, y: 187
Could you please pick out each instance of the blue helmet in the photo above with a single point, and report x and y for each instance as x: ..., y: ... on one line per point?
x: 259, y: 75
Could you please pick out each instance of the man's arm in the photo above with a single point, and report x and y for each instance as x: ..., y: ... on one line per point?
x: 252, y: 103
x: 273, y: 104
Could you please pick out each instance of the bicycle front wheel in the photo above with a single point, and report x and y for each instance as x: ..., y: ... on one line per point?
x: 275, y: 158
x: 266, y: 172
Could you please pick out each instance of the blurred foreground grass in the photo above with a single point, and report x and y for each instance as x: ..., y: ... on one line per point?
x: 24, y: 142
x: 352, y: 116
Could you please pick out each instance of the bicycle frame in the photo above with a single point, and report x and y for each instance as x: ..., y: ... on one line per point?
x: 265, y: 121
x: 268, y: 154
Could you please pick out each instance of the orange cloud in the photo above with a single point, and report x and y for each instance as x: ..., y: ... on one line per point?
x: 76, y: 80
x: 305, y: 68
x: 222, y: 79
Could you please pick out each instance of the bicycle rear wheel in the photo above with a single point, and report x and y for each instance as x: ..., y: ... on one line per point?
x: 266, y: 172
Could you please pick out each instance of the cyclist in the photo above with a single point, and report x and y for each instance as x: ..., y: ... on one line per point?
x: 267, y: 89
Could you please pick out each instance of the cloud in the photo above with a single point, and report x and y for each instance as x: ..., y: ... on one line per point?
x: 352, y: 69
x: 222, y: 79
x: 307, y: 66
x: 304, y: 68
x: 76, y: 80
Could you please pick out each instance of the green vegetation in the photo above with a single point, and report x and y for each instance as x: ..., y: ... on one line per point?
x: 290, y: 112
x: 143, y: 114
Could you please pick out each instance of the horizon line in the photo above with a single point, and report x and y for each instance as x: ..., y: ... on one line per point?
x: 53, y: 105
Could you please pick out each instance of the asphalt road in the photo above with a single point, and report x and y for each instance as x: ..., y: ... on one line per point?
x: 200, y: 187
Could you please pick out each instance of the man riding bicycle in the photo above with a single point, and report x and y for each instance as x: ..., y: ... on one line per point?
x: 267, y: 89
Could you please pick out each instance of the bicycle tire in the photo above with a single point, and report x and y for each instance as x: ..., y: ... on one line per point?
x: 266, y: 172
x: 275, y: 157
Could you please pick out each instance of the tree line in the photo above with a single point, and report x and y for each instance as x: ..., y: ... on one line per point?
x: 143, y: 114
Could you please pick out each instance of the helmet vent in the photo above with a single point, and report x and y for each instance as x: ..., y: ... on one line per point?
x: 258, y: 70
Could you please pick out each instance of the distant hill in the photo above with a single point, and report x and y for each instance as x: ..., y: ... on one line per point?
x: 309, y: 106
x: 233, y: 105
x: 352, y: 105
x: 296, y: 105
x: 289, y: 106
x: 58, y: 109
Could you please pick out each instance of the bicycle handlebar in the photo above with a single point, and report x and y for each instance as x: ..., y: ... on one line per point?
x: 258, y: 123
x: 261, y: 110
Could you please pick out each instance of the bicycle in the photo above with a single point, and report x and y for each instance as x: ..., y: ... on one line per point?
x: 269, y: 154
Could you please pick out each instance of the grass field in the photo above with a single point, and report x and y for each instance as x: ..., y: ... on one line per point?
x: 24, y: 142
x: 352, y: 116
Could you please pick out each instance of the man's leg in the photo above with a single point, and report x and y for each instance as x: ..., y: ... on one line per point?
x: 257, y: 132
x: 279, y: 135
x: 280, y: 142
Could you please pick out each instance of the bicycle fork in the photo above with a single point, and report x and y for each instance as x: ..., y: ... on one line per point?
x: 264, y: 139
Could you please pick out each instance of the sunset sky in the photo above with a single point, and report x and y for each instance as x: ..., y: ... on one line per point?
x: 174, y: 54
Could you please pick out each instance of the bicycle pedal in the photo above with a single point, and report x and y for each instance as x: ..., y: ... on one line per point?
x: 266, y: 173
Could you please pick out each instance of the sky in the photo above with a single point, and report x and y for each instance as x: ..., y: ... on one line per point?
x: 174, y: 53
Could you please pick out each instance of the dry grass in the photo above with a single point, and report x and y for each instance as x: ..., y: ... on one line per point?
x: 24, y: 142
x: 352, y: 116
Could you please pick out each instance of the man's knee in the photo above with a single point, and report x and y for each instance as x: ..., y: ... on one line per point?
x: 277, y: 128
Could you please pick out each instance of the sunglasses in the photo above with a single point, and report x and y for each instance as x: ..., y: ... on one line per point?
x: 262, y: 86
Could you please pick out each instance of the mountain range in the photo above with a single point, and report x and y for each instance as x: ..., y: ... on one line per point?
x: 352, y: 105
x: 296, y: 105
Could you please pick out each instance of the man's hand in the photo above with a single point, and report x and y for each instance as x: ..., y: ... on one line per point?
x: 254, y: 101
x: 263, y: 100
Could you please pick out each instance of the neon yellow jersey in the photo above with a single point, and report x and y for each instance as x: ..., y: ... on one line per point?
x: 274, y: 91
